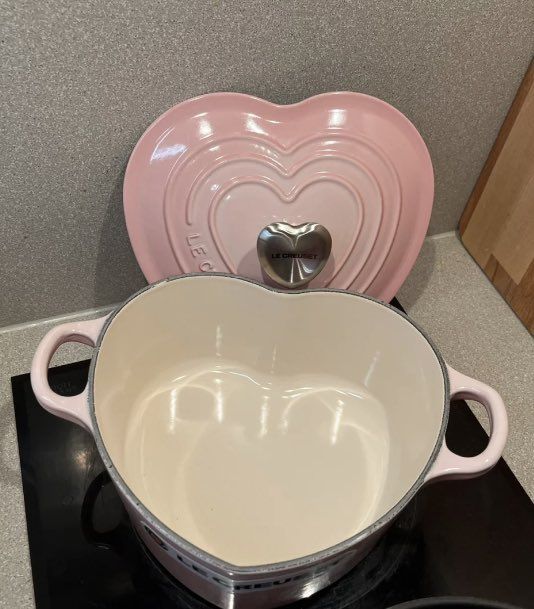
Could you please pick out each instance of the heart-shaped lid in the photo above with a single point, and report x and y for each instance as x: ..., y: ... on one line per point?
x: 208, y: 176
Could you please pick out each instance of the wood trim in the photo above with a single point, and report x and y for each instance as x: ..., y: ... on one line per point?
x: 518, y: 296
x: 522, y: 298
x: 491, y: 267
x: 506, y: 127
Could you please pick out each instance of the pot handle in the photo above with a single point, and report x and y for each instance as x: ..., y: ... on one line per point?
x: 449, y: 465
x: 71, y: 408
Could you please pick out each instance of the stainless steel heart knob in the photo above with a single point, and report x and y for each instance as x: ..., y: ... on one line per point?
x: 293, y: 255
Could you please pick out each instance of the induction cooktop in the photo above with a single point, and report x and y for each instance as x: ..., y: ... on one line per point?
x: 472, y: 538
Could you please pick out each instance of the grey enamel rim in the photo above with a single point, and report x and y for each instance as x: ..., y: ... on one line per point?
x: 310, y: 559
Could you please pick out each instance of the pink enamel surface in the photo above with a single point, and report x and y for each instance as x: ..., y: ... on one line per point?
x: 210, y: 173
x: 448, y: 465
x: 75, y: 408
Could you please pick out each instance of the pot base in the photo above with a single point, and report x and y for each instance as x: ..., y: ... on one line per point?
x: 381, y: 562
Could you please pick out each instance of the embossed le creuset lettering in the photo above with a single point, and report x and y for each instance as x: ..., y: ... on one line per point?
x: 305, y: 255
x: 199, y: 251
x: 241, y: 587
x: 293, y: 255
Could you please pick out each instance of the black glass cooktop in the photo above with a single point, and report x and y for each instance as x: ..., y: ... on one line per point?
x: 472, y: 538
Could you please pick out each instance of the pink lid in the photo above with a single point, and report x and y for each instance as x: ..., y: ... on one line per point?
x: 211, y: 172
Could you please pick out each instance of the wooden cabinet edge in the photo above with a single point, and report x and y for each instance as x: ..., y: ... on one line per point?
x: 504, y: 131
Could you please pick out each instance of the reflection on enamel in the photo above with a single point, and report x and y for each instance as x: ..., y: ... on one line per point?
x: 264, y: 414
x: 253, y: 126
x: 218, y: 341
x: 335, y: 407
x: 218, y: 383
x: 337, y: 118
x: 204, y: 128
x: 273, y: 359
x: 372, y: 368
x: 170, y: 151
x: 174, y: 408
x: 265, y: 150
x: 336, y: 422
x: 219, y: 400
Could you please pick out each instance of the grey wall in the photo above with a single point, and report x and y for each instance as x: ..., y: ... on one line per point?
x: 80, y: 81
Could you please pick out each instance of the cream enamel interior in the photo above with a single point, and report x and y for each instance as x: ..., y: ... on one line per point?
x: 262, y: 426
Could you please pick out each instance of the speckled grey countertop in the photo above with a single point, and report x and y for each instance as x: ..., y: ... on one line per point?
x: 446, y: 293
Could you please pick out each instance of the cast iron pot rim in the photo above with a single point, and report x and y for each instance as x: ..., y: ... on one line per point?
x: 309, y: 560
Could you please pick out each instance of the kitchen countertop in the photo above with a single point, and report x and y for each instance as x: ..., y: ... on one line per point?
x: 446, y: 293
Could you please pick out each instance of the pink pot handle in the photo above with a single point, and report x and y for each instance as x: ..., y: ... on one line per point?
x: 73, y: 408
x: 448, y: 465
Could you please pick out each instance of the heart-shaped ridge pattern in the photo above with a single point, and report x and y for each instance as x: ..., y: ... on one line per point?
x: 213, y: 171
